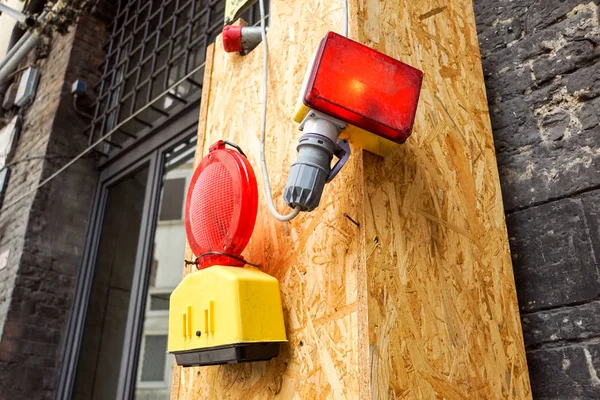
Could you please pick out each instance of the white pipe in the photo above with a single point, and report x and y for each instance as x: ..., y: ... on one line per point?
x: 11, y: 12
x: 20, y: 54
x: 20, y: 50
x: 14, y: 49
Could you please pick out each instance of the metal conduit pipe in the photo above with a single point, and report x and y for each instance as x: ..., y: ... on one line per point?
x: 19, y: 55
x: 11, y: 12
x: 17, y: 34
x: 18, y: 38
x: 14, y: 49
x: 16, y: 54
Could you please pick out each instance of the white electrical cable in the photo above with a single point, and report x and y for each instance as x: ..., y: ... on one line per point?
x: 345, y: 17
x: 263, y: 124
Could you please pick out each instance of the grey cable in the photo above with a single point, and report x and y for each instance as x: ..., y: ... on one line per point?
x: 263, y: 125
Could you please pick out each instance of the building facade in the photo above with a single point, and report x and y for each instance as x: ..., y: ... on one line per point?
x: 88, y: 258
x: 91, y: 256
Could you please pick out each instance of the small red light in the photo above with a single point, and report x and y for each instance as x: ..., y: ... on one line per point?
x: 221, y: 207
x: 364, y: 87
x: 232, y: 39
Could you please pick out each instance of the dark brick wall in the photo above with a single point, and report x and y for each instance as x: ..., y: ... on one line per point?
x: 541, y: 62
x: 45, y: 233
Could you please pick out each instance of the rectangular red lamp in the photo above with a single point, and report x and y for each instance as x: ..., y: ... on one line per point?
x: 363, y: 87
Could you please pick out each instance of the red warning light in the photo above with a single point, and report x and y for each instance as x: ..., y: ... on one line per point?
x: 232, y: 39
x: 364, y: 87
x: 221, y: 207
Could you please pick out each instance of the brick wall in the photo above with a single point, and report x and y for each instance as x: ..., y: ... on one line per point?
x: 541, y: 63
x: 45, y: 233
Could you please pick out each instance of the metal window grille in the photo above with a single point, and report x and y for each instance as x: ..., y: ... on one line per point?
x: 154, y: 64
x: 154, y: 357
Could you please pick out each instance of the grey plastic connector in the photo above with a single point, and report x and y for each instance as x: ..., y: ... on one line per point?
x: 251, y: 37
x: 312, y: 170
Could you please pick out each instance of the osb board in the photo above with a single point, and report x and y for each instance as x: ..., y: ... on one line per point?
x: 442, y: 308
x: 419, y: 301
x: 316, y: 256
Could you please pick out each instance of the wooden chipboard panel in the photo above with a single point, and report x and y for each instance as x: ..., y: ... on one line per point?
x: 315, y: 257
x: 442, y: 307
x: 417, y: 302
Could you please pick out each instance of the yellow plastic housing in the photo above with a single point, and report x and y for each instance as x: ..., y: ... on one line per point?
x: 363, y: 139
x: 226, y: 305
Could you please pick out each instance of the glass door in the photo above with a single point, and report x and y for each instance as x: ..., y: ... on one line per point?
x: 116, y: 347
x: 153, y: 381
x: 106, y: 319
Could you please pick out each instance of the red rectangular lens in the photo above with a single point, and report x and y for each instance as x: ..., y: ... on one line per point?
x: 364, y: 87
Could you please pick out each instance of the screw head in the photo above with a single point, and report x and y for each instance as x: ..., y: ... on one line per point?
x: 198, y: 333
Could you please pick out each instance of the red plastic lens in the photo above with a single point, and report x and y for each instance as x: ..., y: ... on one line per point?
x: 232, y: 39
x: 364, y: 87
x: 221, y: 207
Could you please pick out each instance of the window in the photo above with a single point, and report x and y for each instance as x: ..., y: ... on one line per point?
x: 171, y: 207
x: 154, y: 45
x: 97, y: 373
x: 153, y: 359
x: 155, y: 365
x: 154, y: 63
x: 159, y: 301
x: 138, y: 261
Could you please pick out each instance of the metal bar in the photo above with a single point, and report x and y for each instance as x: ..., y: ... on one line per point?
x: 11, y: 12
x: 14, y: 61
x: 158, y: 110
x: 176, y: 98
x: 149, y: 84
x: 194, y: 83
x: 8, y: 59
x: 123, y: 132
x: 141, y: 121
x: 187, y: 46
x: 103, y: 124
x: 15, y: 48
x: 119, y: 79
x: 114, y: 144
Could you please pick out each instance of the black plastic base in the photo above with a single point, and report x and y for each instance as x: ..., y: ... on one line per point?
x: 229, y: 354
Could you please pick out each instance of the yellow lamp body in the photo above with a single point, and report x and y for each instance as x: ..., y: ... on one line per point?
x: 225, y: 315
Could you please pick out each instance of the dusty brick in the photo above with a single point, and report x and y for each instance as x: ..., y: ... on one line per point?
x: 565, y: 324
x: 553, y: 258
x: 569, y: 372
